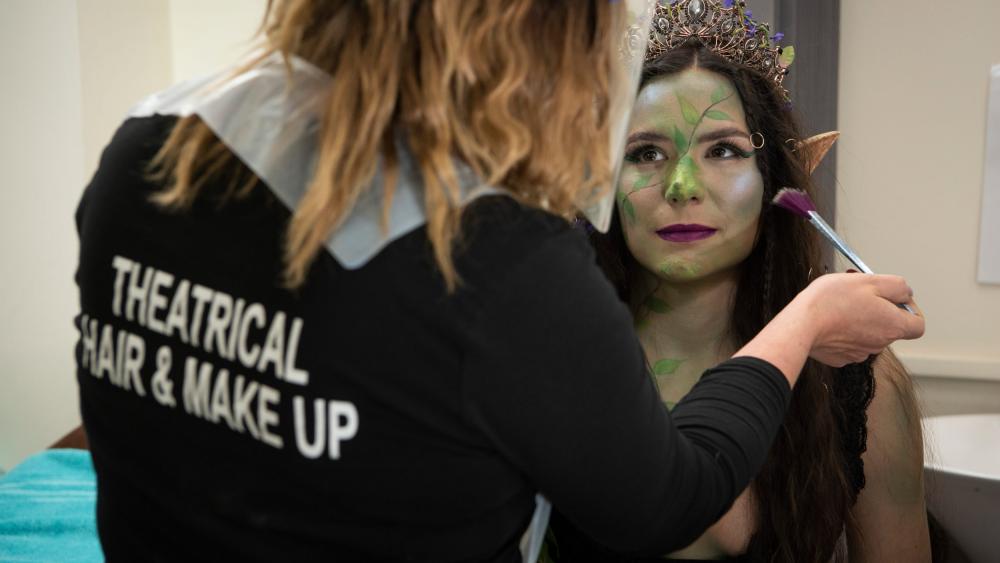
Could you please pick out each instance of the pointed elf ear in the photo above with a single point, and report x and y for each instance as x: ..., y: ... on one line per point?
x: 814, y: 149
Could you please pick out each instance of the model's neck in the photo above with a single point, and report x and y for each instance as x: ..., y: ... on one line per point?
x: 688, y: 321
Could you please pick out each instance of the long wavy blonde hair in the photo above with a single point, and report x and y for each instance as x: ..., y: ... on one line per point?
x: 517, y: 89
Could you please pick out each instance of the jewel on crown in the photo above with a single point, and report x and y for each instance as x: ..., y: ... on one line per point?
x: 726, y: 28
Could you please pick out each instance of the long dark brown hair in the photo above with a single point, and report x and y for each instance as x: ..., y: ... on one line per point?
x: 804, y: 493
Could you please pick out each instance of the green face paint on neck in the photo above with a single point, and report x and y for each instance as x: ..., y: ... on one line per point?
x: 656, y: 305
x: 666, y: 366
x: 662, y: 370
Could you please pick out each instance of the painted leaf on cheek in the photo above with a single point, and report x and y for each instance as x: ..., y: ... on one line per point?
x: 641, y: 182
x: 691, y: 115
x: 718, y: 115
x: 666, y: 367
x: 680, y: 141
x: 629, y: 209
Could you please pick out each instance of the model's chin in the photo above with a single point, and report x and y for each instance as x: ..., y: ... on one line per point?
x: 679, y: 268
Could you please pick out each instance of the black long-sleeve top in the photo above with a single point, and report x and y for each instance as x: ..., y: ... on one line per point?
x: 370, y: 414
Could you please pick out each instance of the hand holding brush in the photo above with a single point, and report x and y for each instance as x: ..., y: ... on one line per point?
x: 799, y: 203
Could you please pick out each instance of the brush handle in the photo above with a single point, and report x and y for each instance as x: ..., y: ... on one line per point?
x: 847, y: 251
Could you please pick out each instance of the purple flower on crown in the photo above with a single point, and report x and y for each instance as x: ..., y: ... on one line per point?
x: 748, y: 14
x: 727, y: 3
x: 752, y: 30
x: 777, y: 36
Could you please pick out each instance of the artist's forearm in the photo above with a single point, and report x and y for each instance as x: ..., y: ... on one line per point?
x: 786, y: 341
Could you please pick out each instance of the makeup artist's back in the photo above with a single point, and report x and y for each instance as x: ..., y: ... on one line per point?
x: 227, y: 412
x: 233, y: 418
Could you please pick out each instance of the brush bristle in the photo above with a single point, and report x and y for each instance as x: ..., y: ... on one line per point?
x: 796, y: 201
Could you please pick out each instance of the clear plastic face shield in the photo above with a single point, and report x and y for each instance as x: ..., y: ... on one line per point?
x: 633, y: 33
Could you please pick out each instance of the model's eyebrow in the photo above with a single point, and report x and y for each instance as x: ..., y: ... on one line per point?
x: 722, y: 134
x: 648, y: 136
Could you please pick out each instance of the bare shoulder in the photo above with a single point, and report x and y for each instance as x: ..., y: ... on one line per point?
x: 894, y: 432
x: 890, y: 512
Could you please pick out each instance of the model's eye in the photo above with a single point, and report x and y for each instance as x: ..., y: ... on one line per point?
x: 727, y: 151
x: 645, y: 154
x: 722, y: 151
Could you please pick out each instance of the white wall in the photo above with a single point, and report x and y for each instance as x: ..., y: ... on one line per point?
x: 41, y: 175
x: 208, y: 35
x: 125, y: 53
x: 913, y: 85
x: 71, y: 70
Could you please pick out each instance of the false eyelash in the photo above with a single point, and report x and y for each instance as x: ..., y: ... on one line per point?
x: 739, y: 152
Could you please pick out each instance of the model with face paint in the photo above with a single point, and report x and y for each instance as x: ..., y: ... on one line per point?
x: 704, y: 263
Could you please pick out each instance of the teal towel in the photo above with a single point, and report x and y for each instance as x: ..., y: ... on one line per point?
x: 48, y: 509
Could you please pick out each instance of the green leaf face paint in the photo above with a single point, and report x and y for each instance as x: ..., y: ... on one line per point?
x: 642, y: 182
x: 656, y: 305
x: 719, y: 93
x: 689, y: 165
x: 666, y: 366
x: 691, y: 115
x: 718, y: 115
x: 629, y: 210
x: 680, y: 140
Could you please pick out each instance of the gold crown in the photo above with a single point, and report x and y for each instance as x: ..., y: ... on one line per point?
x: 726, y: 29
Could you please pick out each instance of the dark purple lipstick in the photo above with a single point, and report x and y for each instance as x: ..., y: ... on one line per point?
x: 685, y: 233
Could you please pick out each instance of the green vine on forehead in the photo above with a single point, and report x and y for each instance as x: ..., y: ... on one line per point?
x: 688, y: 111
x: 719, y: 94
x: 692, y: 117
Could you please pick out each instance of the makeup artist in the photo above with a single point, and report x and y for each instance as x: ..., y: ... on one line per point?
x: 307, y: 331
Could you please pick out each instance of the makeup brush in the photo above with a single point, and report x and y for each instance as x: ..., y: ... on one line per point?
x: 799, y: 203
